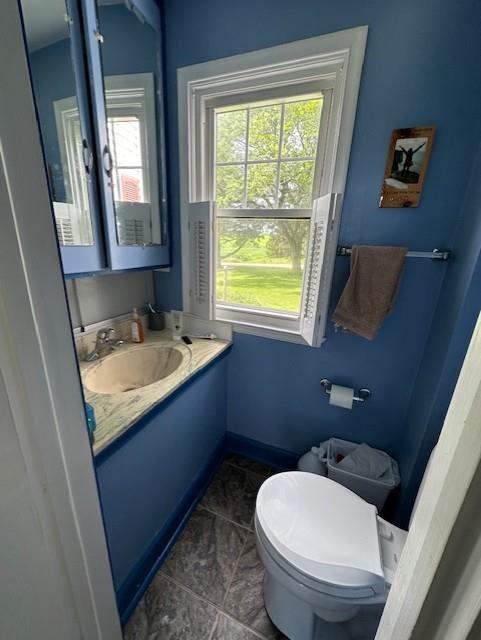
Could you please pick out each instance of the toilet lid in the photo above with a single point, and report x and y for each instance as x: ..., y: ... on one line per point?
x: 323, y: 529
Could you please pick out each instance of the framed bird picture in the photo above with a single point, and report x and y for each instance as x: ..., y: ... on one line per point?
x: 406, y: 166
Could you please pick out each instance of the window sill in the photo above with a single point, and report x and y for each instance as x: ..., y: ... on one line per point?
x: 255, y: 326
x: 267, y: 332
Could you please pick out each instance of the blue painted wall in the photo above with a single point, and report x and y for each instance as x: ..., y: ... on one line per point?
x: 129, y: 45
x: 53, y: 79
x: 457, y: 310
x: 274, y: 390
x: 143, y: 482
x: 419, y: 70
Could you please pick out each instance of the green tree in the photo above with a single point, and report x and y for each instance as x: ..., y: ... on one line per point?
x: 235, y: 234
x: 291, y: 241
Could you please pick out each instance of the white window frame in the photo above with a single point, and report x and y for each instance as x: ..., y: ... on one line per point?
x: 331, y: 64
x: 132, y: 94
x: 242, y: 315
x: 287, y: 94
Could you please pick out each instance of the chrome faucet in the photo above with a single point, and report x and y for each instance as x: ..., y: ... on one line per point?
x: 104, y: 344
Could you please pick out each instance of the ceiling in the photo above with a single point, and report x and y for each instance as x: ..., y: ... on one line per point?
x: 44, y: 22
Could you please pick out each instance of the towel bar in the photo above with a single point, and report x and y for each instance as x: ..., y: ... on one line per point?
x: 435, y: 254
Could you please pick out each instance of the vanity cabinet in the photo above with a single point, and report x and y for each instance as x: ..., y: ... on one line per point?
x: 96, y: 72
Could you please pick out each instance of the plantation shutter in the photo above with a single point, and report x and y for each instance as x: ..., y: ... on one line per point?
x: 202, y: 259
x: 321, y: 256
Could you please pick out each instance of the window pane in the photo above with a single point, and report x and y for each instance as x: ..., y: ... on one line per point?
x: 264, y: 132
x: 301, y: 128
x: 295, y: 185
x: 229, y: 192
x: 261, y: 186
x: 231, y: 136
x: 128, y: 185
x: 260, y: 263
x: 124, y: 139
x: 55, y: 76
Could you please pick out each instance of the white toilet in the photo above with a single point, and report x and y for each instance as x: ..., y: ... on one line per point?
x: 326, y: 553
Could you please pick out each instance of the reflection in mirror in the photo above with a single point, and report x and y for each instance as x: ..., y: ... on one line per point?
x: 67, y: 156
x: 130, y: 58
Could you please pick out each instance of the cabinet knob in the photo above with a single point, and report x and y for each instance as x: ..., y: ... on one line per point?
x: 107, y: 160
x: 87, y: 157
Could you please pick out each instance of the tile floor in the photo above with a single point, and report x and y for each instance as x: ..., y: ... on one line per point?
x: 210, y: 586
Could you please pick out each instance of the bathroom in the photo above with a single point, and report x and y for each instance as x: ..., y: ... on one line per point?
x: 145, y: 114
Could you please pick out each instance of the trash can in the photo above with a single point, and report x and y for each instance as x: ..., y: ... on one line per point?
x: 372, y: 490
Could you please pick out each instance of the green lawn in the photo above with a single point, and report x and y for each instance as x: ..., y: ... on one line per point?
x: 265, y: 287
x: 251, y: 252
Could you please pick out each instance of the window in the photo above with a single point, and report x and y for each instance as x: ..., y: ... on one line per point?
x: 128, y: 172
x: 130, y: 116
x: 265, y: 163
x: 264, y: 146
x: 71, y: 208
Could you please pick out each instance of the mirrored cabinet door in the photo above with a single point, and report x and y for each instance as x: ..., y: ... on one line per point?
x: 126, y: 48
x: 54, y: 43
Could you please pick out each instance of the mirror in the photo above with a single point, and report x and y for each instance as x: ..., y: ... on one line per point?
x: 66, y: 151
x: 130, y: 53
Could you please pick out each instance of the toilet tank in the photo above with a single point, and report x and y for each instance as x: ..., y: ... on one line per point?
x: 421, y: 486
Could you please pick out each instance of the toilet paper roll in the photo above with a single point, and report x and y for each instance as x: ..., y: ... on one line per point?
x: 341, y: 396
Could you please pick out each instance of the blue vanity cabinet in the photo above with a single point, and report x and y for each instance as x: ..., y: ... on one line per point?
x: 125, y: 71
x: 151, y: 478
x: 96, y: 72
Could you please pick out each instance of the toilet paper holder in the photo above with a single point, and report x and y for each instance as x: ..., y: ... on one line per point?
x: 361, y: 396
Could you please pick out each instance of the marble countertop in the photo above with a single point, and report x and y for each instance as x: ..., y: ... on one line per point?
x: 115, y: 413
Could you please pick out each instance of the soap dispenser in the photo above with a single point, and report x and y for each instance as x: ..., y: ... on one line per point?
x: 136, y: 328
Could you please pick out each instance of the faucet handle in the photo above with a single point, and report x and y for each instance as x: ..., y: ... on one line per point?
x: 112, y: 337
x: 103, y: 335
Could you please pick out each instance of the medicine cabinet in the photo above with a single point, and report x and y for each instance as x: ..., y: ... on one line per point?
x: 96, y: 73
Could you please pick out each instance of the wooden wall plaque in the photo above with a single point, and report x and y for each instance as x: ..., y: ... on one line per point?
x: 406, y: 165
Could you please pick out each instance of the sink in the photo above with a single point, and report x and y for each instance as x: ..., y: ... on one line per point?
x: 133, y: 369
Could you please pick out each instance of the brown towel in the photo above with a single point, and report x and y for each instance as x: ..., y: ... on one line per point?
x: 369, y: 293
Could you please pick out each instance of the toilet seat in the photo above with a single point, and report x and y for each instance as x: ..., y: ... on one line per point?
x: 324, y: 531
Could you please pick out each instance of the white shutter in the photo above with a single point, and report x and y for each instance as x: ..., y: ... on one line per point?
x: 202, y: 259
x: 321, y: 256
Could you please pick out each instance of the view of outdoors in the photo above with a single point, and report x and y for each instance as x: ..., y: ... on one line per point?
x: 265, y: 157
x: 128, y: 172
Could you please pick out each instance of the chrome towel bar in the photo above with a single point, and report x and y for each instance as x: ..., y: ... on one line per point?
x: 435, y: 254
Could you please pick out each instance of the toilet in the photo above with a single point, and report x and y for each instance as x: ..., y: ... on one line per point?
x: 326, y: 553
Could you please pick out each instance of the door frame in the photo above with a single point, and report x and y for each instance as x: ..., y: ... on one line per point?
x: 38, y: 362
x: 443, y: 505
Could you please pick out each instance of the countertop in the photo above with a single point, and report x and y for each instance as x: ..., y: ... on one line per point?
x: 115, y: 413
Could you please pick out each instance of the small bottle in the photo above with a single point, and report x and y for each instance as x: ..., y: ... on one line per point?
x: 92, y: 425
x: 177, y: 325
x: 136, y: 328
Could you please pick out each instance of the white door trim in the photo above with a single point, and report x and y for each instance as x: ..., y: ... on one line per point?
x: 38, y: 364
x: 454, y: 465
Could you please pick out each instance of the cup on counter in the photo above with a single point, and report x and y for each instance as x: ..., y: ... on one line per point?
x: 156, y: 321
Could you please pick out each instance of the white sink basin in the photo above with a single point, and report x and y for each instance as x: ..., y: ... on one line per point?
x: 133, y: 369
